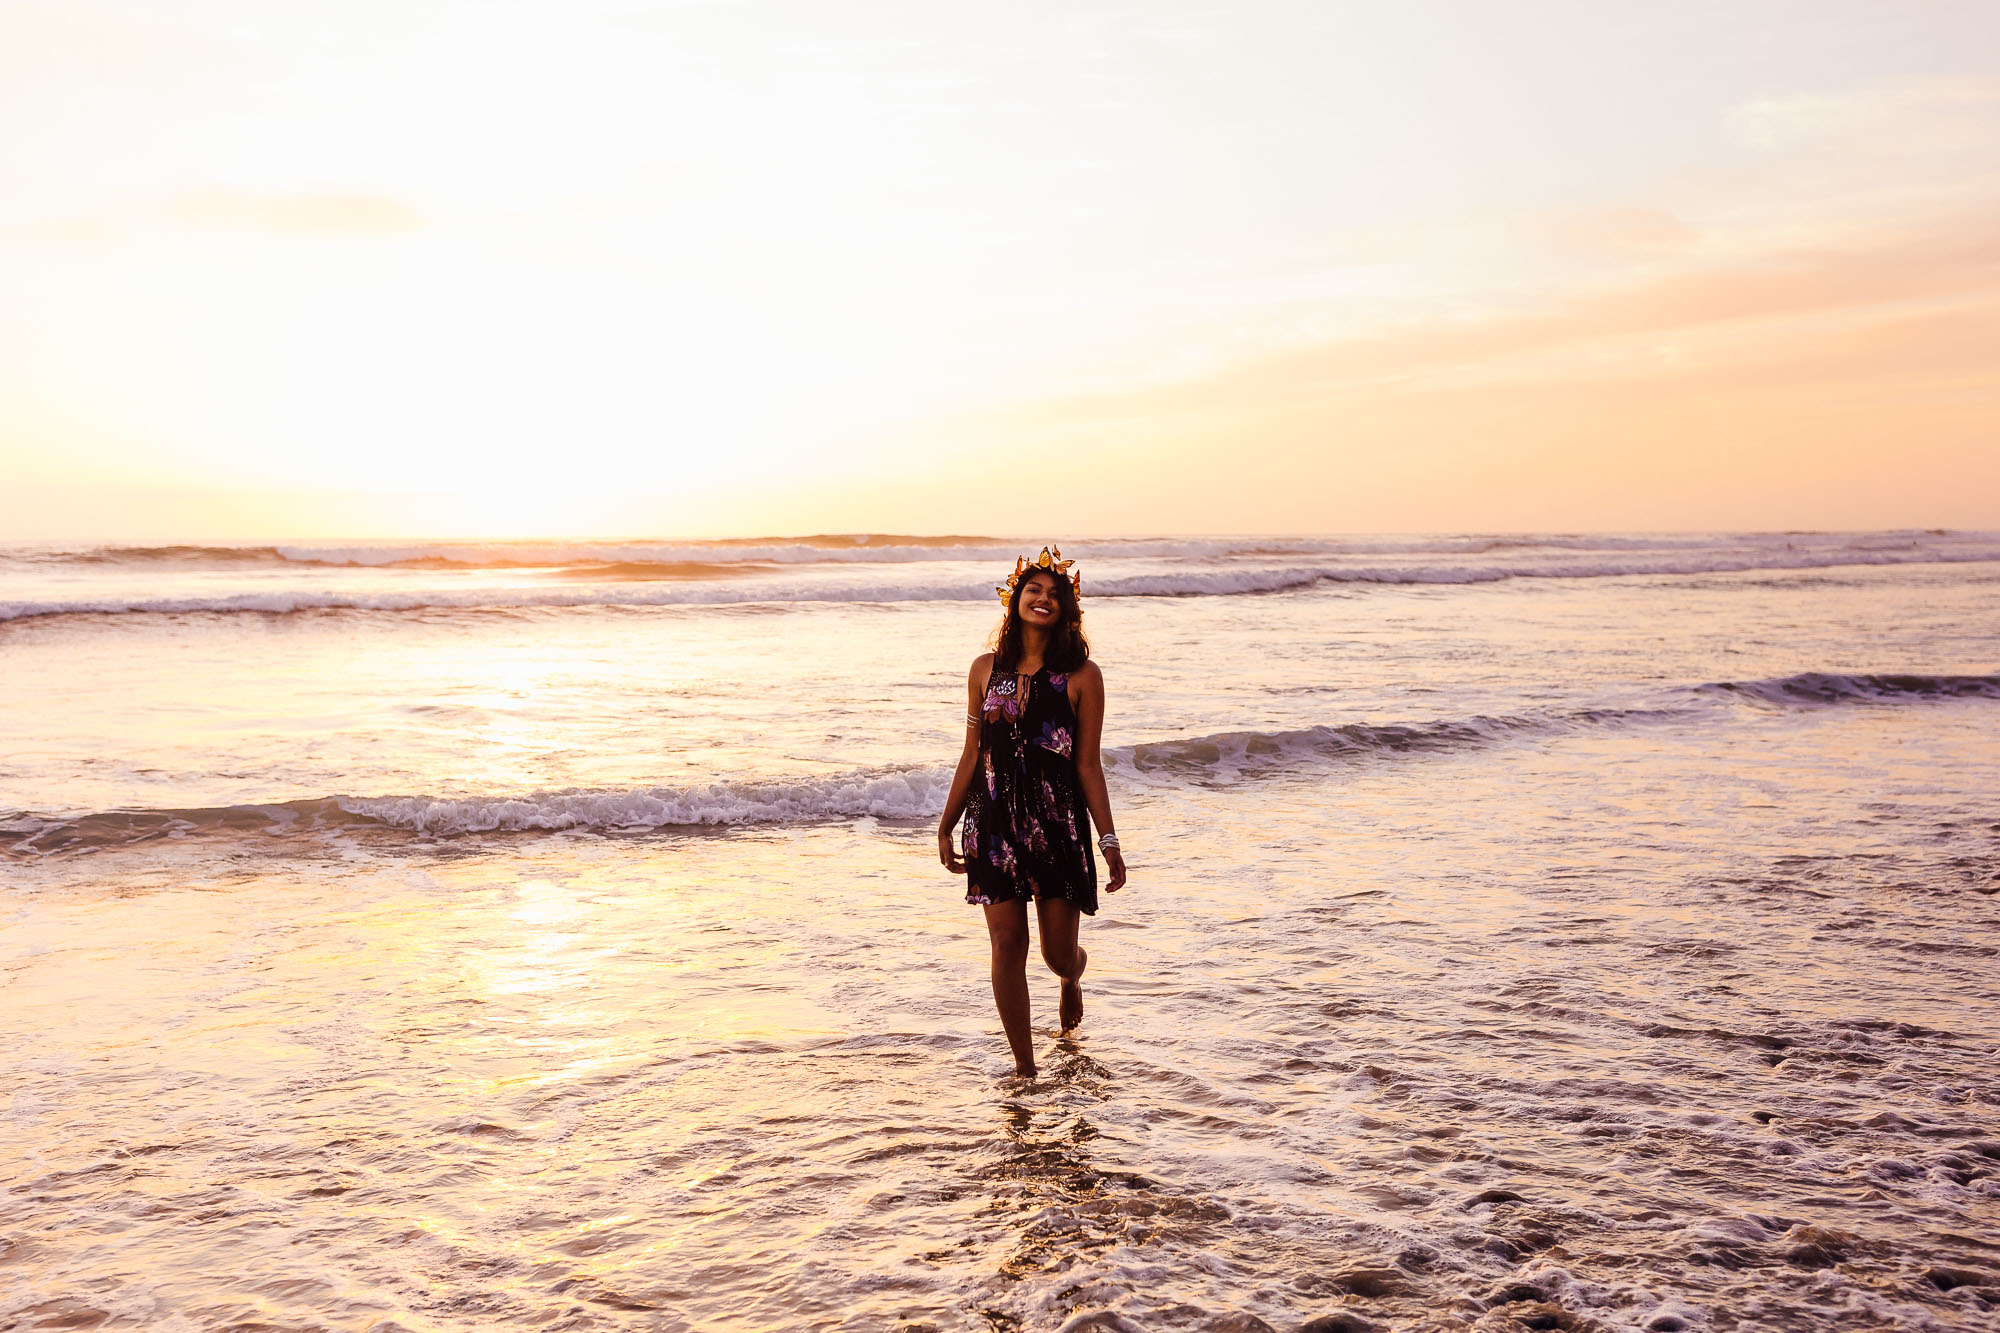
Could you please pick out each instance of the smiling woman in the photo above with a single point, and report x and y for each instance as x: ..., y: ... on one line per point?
x: 1030, y: 786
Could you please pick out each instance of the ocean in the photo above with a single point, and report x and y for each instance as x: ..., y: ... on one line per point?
x: 1524, y: 932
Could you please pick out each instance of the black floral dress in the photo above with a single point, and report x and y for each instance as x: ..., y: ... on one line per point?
x: 1026, y: 827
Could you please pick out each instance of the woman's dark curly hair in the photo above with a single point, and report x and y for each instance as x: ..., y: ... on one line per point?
x: 1067, y: 650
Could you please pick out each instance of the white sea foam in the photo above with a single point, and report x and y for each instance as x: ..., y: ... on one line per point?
x: 916, y: 793
x: 919, y: 792
x: 1225, y: 581
x: 891, y: 549
x: 777, y: 551
x: 904, y: 793
x: 909, y: 794
x: 494, y: 599
x: 538, y: 554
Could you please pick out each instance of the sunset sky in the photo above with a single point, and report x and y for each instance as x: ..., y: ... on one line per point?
x: 583, y: 267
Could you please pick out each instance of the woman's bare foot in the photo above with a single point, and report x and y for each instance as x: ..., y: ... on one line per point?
x: 1070, y: 1010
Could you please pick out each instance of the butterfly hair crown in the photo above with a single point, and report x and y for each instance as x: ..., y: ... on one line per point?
x: 1050, y: 561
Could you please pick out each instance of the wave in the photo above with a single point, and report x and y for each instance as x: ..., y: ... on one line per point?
x: 524, y: 555
x: 917, y: 793
x: 658, y: 571
x: 863, y: 548
x: 816, y: 549
x: 898, y: 794
x: 697, y: 583
x: 881, y: 548
x: 1820, y: 688
x: 151, y: 555
x: 489, y: 599
x: 823, y: 548
x: 903, y: 793
x: 1227, y: 581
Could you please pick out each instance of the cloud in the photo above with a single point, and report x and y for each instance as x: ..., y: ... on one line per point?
x: 1928, y: 117
x: 327, y: 213
x: 1627, y: 231
x: 1938, y: 263
x: 72, y: 38
x: 1843, y: 387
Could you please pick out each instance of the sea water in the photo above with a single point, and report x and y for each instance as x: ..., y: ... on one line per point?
x: 1524, y: 932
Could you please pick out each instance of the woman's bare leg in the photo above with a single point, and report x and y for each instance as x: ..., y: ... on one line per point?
x: 1007, y: 927
x: 1059, y: 921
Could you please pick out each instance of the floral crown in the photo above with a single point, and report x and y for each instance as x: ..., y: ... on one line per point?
x: 1050, y: 561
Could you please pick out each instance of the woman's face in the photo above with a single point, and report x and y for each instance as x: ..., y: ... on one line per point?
x: 1038, y: 601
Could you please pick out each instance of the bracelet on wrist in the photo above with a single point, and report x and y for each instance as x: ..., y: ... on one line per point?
x: 1108, y: 842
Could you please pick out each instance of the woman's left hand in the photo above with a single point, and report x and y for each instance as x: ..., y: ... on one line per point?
x: 948, y: 851
x: 1116, y: 860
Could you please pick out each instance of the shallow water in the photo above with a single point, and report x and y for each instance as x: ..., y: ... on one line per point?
x: 1488, y: 964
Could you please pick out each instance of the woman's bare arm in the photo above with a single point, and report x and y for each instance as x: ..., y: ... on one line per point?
x: 968, y: 761
x: 1089, y: 686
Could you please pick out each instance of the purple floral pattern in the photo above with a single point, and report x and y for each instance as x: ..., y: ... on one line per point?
x: 1003, y: 698
x: 1025, y: 821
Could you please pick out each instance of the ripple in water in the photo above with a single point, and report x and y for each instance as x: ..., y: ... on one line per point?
x: 1629, y: 1034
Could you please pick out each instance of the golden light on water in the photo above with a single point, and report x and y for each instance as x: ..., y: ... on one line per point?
x: 1472, y: 934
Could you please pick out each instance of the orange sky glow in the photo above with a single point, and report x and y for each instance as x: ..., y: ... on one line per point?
x: 711, y: 268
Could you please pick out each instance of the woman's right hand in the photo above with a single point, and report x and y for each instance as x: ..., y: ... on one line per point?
x: 948, y: 851
x: 1115, y: 860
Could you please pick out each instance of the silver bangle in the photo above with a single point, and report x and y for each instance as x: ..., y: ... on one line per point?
x: 1108, y: 842
x: 971, y: 721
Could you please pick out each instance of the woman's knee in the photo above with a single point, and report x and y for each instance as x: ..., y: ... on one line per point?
x: 1061, y: 961
x: 1010, y: 944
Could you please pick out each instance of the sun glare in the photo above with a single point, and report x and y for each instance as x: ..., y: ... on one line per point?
x: 835, y: 256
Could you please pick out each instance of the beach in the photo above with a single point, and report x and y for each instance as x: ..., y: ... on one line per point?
x: 1581, y: 932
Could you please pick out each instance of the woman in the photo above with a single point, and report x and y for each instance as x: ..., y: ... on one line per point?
x: 1029, y: 785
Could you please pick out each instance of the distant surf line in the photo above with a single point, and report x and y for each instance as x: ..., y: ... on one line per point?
x: 888, y: 548
x: 624, y: 589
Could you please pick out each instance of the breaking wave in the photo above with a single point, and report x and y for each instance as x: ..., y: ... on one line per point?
x: 633, y: 583
x: 1817, y: 688
x: 912, y: 793
x: 621, y: 594
x: 877, y: 548
x: 919, y: 792
x: 884, y: 548
x: 906, y: 794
